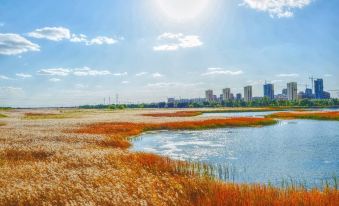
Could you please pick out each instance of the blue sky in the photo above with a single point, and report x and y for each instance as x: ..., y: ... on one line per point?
x: 65, y: 53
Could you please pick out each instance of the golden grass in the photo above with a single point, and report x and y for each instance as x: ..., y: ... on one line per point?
x: 332, y: 115
x: 175, y: 114
x: 25, y: 155
x: 2, y: 124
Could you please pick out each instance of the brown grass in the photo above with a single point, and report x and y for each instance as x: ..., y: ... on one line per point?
x: 25, y: 155
x: 332, y: 115
x: 174, y: 114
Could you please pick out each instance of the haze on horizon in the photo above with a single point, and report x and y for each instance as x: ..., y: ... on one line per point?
x: 62, y: 53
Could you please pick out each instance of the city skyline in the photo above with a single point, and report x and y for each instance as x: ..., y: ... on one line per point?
x: 152, y: 50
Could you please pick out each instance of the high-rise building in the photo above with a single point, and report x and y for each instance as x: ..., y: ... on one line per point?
x: 238, y: 96
x: 292, y: 91
x: 284, y: 92
x: 209, y: 95
x: 269, y: 91
x: 326, y: 95
x: 248, y: 93
x: 318, y: 88
x: 308, y: 93
x: 226, y: 94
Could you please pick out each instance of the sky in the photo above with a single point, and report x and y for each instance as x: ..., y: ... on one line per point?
x: 68, y: 53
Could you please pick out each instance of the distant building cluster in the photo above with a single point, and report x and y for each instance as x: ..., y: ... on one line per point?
x: 288, y: 93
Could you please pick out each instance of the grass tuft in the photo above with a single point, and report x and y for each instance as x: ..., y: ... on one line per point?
x: 25, y: 155
x: 3, y: 116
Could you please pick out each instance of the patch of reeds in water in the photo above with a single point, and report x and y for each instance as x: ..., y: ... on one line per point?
x: 331, y: 115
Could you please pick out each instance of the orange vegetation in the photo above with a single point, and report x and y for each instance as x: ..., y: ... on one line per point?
x: 332, y: 115
x: 174, y: 114
x: 118, y: 132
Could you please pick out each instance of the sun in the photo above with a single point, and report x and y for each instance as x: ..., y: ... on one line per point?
x: 182, y: 10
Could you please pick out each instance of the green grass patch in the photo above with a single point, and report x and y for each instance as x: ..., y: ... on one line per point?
x: 63, y: 114
x: 3, y: 116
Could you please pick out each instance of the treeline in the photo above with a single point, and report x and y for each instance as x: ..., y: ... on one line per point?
x: 264, y: 102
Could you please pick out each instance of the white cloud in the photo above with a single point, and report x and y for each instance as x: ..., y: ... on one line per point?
x: 12, y: 44
x: 51, y: 33
x: 125, y: 82
x: 328, y: 75
x: 62, y: 33
x: 23, y: 75
x: 175, y: 41
x: 99, y: 40
x: 54, y: 80
x: 78, y: 38
x: 120, y: 74
x: 166, y: 47
x: 4, y: 77
x: 277, y: 8
x: 221, y: 71
x: 86, y: 71
x: 157, y: 75
x: 141, y: 74
x: 288, y: 75
x: 54, y: 72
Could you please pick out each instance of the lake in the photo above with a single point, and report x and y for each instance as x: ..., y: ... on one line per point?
x: 306, y: 151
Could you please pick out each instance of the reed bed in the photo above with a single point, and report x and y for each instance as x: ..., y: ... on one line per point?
x: 331, y: 115
x: 118, y: 133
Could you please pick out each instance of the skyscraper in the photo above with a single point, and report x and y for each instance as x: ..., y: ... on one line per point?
x: 209, y: 95
x: 269, y: 91
x: 318, y: 88
x: 226, y: 94
x: 292, y: 91
x: 248, y: 93
x: 238, y: 96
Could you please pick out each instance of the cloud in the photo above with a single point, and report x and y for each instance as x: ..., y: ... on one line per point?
x: 86, y: 71
x: 221, y: 71
x: 175, y: 41
x: 4, y: 77
x: 328, y: 75
x: 120, y: 74
x: 12, y: 44
x: 54, y: 80
x: 51, y: 33
x: 141, y: 74
x: 277, y: 8
x: 157, y: 75
x: 62, y: 33
x: 288, y: 75
x: 101, y: 40
x: 23, y: 75
x: 55, y: 72
x: 125, y: 82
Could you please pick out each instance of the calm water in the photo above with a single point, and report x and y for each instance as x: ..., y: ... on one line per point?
x: 304, y: 150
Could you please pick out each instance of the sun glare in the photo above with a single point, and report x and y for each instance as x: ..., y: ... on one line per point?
x: 182, y: 10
